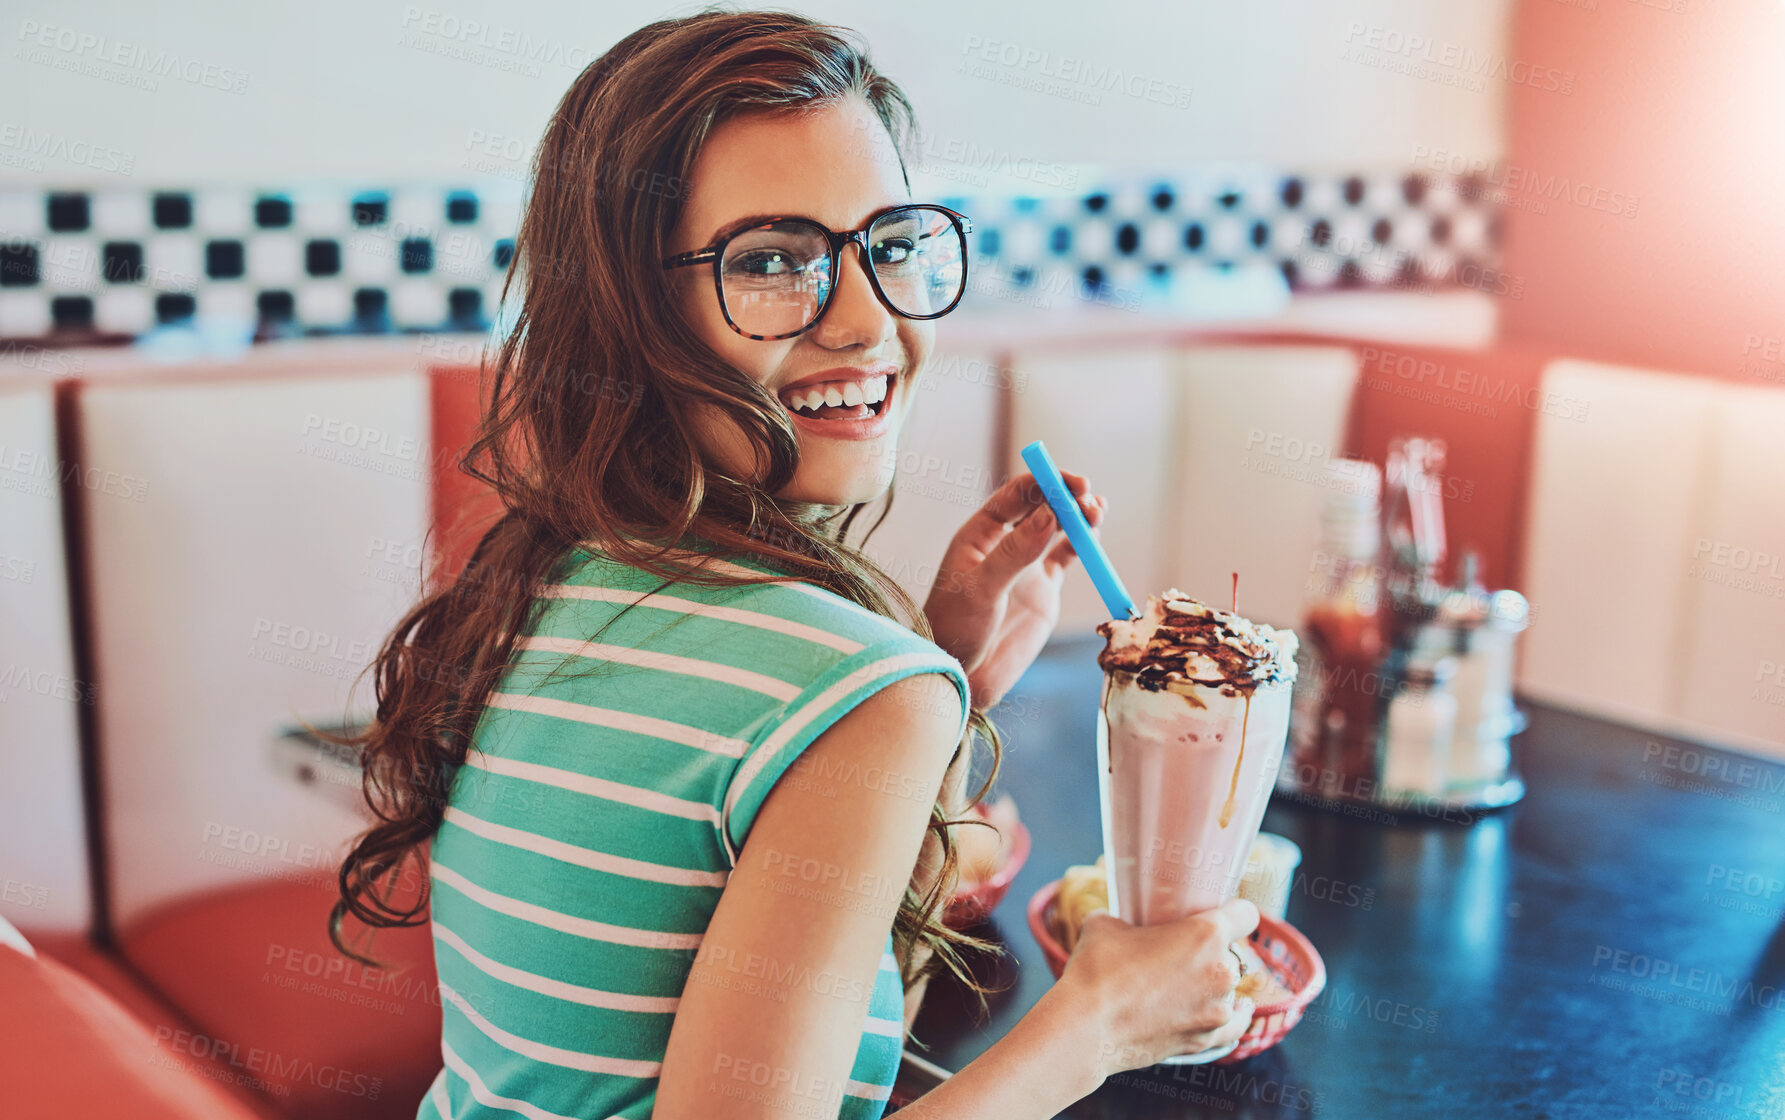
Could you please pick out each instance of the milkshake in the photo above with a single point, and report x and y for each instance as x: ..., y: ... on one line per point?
x: 1190, y: 733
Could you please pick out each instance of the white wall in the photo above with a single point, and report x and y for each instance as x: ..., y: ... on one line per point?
x: 364, y: 90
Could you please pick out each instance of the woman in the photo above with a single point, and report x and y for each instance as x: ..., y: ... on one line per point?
x: 684, y: 761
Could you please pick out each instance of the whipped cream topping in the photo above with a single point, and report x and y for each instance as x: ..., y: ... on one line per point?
x: 1183, y: 643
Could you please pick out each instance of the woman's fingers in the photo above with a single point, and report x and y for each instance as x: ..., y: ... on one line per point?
x: 991, y: 521
x: 1233, y: 920
x: 1018, y: 499
x: 1062, y: 554
x: 1236, y: 1024
x: 1016, y: 528
x: 1018, y: 549
x: 1096, y: 505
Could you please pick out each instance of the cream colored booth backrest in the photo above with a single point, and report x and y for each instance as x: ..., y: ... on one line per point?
x: 241, y: 588
x: 44, y: 881
x: 1655, y: 559
x: 1211, y: 457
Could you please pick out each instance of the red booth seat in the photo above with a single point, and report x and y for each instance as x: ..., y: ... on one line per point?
x: 255, y: 971
x: 69, y: 1049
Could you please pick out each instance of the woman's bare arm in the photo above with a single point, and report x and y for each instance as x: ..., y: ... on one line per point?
x: 772, y: 1014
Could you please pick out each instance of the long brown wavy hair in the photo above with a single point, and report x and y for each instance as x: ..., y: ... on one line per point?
x: 584, y: 436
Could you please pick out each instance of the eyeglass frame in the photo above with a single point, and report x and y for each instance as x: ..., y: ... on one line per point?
x: 715, y: 252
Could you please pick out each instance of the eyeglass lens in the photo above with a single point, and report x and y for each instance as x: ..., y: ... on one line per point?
x: 775, y: 279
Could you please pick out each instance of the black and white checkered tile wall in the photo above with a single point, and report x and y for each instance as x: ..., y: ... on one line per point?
x: 315, y: 260
x: 1320, y: 231
x: 79, y: 266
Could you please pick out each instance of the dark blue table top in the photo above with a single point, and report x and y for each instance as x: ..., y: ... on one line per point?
x: 1613, y: 945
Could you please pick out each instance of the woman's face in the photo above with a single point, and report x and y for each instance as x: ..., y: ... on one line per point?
x: 836, y: 165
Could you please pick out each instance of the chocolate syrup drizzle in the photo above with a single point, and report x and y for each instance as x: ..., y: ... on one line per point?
x: 1190, y: 631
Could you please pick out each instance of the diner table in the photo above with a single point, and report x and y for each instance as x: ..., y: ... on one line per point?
x: 1610, y: 946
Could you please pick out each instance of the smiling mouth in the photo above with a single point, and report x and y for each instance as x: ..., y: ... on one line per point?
x: 840, y: 400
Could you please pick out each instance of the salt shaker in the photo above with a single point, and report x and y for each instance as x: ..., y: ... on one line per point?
x: 1421, y: 725
x: 1481, y: 754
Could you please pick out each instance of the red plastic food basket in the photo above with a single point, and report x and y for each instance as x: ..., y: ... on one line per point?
x: 973, y: 902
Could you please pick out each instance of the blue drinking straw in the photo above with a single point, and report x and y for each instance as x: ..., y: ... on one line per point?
x: 1078, y: 532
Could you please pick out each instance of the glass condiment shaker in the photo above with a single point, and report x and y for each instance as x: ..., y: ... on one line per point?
x: 1421, y: 725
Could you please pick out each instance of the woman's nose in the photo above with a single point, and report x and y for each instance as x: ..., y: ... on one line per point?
x: 855, y: 314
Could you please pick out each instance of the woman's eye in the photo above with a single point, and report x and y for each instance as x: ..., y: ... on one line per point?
x: 894, y: 250
x: 765, y: 262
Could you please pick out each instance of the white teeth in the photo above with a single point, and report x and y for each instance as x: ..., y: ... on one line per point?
x: 873, y: 390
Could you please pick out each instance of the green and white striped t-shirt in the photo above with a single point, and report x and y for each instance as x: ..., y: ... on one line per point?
x: 617, y: 769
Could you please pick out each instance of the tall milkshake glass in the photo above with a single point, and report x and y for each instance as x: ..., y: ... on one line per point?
x: 1190, y: 733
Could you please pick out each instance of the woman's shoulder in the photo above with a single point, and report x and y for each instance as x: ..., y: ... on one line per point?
x: 773, y: 600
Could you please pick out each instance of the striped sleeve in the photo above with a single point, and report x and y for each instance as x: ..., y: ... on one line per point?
x: 826, y: 700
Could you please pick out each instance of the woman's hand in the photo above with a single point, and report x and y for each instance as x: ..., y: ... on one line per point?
x: 997, y: 595
x: 1155, y: 991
